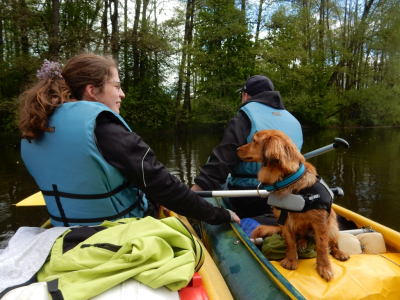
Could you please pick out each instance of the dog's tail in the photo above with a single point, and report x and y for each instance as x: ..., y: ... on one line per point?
x: 265, y: 230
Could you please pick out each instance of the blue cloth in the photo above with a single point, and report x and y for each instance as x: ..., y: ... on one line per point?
x: 248, y: 225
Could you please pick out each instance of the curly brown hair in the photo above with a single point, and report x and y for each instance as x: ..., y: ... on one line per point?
x: 40, y: 101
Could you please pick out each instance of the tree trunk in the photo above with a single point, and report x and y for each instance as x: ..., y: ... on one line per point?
x: 2, y: 86
x: 156, y: 71
x: 321, y: 24
x: 243, y: 5
x: 126, y: 64
x: 24, y: 28
x: 6, y: 45
x: 87, y: 40
x: 185, y: 44
x: 186, y: 102
x: 135, y: 45
x: 104, y: 27
x: 356, y: 41
x: 1, y: 38
x: 331, y: 44
x: 114, y: 30
x: 306, y: 43
x: 54, y: 31
x: 143, y: 32
x: 260, y: 5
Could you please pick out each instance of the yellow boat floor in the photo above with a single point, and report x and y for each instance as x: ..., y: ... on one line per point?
x: 363, y: 276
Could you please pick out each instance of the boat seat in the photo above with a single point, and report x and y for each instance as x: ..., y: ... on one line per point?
x: 362, y: 277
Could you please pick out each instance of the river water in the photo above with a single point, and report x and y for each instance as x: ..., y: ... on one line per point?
x: 368, y: 172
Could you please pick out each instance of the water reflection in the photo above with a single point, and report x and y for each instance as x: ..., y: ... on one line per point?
x: 183, y: 154
x: 15, y: 184
x: 367, y: 172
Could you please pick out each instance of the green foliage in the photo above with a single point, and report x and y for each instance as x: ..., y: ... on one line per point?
x: 16, y: 74
x: 151, y: 110
x: 222, y: 60
x: 333, y: 65
x: 214, y: 111
x: 330, y: 75
x: 374, y: 106
x: 312, y: 110
x: 8, y: 121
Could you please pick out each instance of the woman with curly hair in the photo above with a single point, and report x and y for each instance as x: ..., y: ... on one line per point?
x: 85, y: 159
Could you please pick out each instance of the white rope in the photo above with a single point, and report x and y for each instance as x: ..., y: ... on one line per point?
x: 380, y: 255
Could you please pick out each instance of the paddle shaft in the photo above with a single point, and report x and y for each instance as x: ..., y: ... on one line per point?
x: 250, y: 193
x: 233, y: 193
x: 338, y: 143
x: 263, y: 193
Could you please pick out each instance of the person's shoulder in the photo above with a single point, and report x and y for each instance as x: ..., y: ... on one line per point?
x: 107, y: 118
x: 240, y: 117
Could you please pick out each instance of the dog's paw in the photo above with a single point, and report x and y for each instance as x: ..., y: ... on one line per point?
x: 340, y: 255
x: 265, y: 230
x: 289, y: 264
x: 326, y: 272
x: 301, y: 244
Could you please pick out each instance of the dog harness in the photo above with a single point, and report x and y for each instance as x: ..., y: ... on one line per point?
x: 318, y: 196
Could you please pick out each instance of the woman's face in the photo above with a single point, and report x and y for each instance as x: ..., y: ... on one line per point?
x: 112, y: 94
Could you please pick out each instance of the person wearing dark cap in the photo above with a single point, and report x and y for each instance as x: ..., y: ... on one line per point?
x: 262, y: 108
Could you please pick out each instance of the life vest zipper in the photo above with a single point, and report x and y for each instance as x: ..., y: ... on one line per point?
x: 106, y: 246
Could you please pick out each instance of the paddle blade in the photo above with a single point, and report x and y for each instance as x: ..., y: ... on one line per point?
x: 34, y: 200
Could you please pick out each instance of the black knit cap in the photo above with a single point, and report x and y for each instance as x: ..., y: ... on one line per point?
x: 257, y: 84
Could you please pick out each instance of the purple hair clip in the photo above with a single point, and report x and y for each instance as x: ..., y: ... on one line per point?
x: 50, y: 69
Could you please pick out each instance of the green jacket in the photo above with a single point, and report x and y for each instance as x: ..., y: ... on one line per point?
x: 154, y: 252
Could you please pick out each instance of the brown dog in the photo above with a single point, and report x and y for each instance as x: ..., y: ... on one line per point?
x: 280, y: 158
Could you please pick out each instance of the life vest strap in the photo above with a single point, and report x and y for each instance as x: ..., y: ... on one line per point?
x: 87, y: 196
x: 52, y: 287
x: 59, y: 206
x: 95, y: 220
x: 282, y: 217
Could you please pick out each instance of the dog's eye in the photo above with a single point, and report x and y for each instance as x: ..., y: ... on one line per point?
x: 253, y: 140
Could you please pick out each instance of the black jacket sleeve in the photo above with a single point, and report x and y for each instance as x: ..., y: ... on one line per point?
x: 127, y: 152
x: 224, y: 156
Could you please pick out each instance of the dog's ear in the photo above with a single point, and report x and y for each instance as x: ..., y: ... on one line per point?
x: 263, y: 152
x: 292, y: 156
x: 281, y: 151
x: 272, y: 150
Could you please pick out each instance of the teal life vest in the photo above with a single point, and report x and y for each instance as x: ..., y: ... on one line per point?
x: 264, y: 117
x: 79, y: 186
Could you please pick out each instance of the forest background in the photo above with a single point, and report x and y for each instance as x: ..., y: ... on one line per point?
x: 335, y: 62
